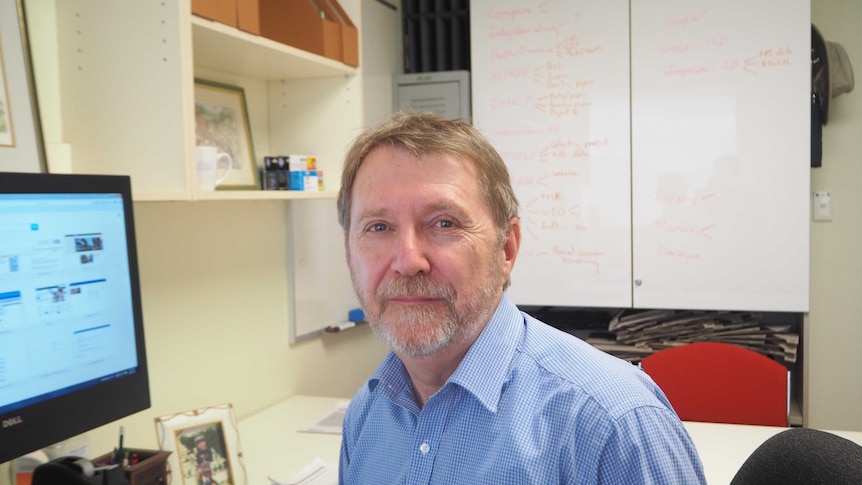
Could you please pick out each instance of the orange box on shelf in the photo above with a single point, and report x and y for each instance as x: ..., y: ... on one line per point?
x: 222, y: 11
x: 248, y: 15
x: 300, y: 24
x: 310, y: 25
x: 349, y: 34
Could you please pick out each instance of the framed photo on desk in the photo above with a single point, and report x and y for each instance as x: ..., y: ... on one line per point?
x: 204, y: 445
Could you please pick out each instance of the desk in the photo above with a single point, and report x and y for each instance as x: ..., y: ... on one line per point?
x: 723, y: 448
x: 272, y: 446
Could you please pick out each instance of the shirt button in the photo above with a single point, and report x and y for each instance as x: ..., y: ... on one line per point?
x: 425, y: 448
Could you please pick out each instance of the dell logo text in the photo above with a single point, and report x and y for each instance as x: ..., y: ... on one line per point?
x: 7, y: 423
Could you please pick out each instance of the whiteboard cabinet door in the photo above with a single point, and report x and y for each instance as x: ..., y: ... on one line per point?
x: 659, y: 149
x: 720, y: 154
x: 550, y: 85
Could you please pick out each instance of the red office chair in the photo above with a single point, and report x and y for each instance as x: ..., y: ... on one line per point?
x: 721, y: 383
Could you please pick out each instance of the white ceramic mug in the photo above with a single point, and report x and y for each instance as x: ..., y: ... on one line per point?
x: 210, y: 161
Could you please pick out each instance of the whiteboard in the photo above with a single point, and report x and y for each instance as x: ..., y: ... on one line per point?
x: 721, y: 154
x: 659, y: 149
x: 550, y: 84
x: 321, y: 293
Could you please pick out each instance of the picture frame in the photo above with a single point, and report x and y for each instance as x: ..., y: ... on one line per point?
x: 221, y: 120
x: 22, y: 147
x: 204, y: 445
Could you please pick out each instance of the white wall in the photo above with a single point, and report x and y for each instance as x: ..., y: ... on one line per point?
x: 833, y: 340
x: 381, y: 58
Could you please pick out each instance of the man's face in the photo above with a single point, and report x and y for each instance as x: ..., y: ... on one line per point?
x: 423, y: 250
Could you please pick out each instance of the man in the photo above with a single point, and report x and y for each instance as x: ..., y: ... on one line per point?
x: 474, y: 391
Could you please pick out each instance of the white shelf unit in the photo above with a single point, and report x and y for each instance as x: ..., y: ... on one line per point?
x: 125, y: 81
x: 228, y: 49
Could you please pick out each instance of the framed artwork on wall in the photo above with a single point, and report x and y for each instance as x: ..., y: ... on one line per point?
x: 21, y: 146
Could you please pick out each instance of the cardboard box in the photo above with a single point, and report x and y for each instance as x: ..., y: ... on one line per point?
x: 248, y: 15
x: 311, y: 181
x: 349, y: 34
x: 297, y: 163
x: 297, y: 179
x: 243, y: 14
x: 299, y: 23
x: 222, y: 11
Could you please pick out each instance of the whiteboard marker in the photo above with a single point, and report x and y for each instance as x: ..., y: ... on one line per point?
x: 340, y: 327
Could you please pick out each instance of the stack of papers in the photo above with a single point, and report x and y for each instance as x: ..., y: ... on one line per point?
x: 634, y: 334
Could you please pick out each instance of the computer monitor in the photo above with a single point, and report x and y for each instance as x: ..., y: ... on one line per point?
x: 72, y: 351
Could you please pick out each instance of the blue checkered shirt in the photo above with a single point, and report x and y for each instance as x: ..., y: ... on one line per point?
x: 529, y: 404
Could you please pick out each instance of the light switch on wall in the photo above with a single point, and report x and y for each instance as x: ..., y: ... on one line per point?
x: 822, y: 206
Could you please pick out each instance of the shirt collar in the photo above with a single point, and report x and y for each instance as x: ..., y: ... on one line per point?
x: 482, y: 372
x: 487, y: 365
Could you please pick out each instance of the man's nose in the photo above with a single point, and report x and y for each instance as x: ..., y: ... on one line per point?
x: 411, y: 256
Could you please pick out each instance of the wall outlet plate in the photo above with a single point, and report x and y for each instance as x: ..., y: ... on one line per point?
x: 822, y: 206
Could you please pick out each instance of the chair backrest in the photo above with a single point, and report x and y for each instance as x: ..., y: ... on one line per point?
x: 721, y: 383
x: 802, y: 456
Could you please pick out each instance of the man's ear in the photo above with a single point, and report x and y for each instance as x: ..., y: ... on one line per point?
x: 512, y: 245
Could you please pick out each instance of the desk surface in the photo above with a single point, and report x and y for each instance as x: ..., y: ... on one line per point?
x: 723, y: 448
x: 273, y: 446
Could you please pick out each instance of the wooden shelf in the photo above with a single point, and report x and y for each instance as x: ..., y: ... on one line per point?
x: 228, y: 49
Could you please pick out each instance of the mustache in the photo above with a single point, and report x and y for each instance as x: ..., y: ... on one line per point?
x: 419, y: 286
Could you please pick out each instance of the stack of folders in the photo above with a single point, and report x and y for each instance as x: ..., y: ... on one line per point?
x: 634, y: 334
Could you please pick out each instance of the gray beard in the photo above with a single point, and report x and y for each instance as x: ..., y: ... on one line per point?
x: 436, y: 326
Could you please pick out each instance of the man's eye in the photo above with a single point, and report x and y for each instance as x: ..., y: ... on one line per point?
x: 377, y: 227
x: 446, y: 224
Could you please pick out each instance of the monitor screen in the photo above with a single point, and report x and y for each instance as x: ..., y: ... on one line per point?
x: 72, y: 351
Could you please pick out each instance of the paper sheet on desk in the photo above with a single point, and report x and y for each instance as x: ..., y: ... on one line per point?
x: 330, y: 422
x: 318, y: 472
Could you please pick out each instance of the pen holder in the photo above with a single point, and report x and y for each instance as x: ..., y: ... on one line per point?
x: 151, y: 467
